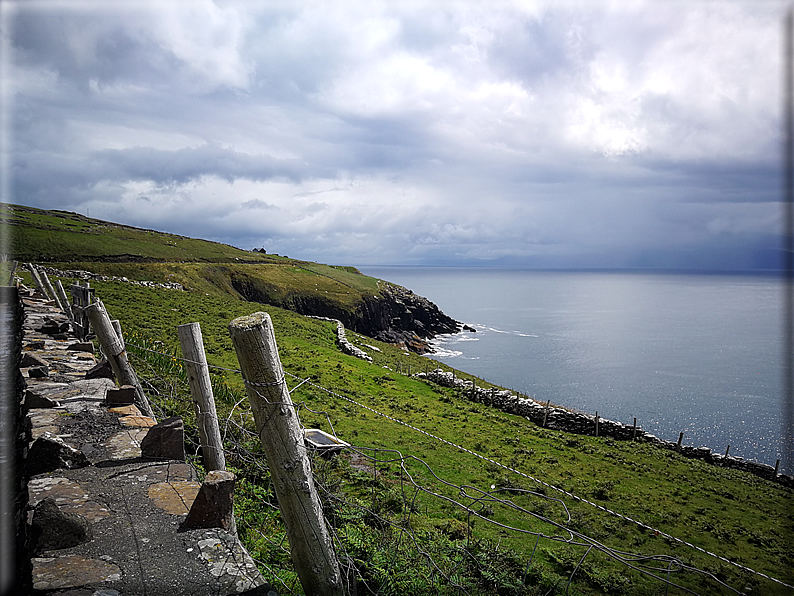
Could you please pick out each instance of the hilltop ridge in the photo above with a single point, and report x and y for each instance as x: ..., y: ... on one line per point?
x: 373, y: 307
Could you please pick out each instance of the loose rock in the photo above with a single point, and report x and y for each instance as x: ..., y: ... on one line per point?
x: 49, y: 452
x: 165, y: 440
x: 55, y: 529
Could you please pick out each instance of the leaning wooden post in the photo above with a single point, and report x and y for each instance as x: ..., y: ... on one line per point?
x: 116, y: 324
x: 680, y: 438
x: 282, y: 439
x: 67, y: 308
x: 50, y: 290
x: 113, y: 349
x: 198, y: 374
x: 37, y: 280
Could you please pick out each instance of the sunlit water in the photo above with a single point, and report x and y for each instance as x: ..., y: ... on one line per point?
x: 700, y: 354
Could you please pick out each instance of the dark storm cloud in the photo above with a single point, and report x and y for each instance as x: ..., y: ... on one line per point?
x: 552, y: 134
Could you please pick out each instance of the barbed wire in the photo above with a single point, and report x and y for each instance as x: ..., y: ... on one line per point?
x: 628, y: 559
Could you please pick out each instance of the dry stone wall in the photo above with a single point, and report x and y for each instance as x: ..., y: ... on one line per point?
x: 557, y: 418
x: 87, y: 276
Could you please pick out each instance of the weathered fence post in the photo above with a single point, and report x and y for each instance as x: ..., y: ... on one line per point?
x: 13, y: 272
x: 198, y: 375
x: 634, y: 430
x: 66, y: 307
x: 596, y: 424
x: 282, y: 440
x: 680, y: 438
x: 37, y: 280
x: 50, y: 290
x: 727, y: 450
x: 116, y: 324
x: 113, y: 348
x: 777, y: 467
x: 546, y: 413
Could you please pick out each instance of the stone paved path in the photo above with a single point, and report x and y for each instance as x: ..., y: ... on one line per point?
x: 133, y: 506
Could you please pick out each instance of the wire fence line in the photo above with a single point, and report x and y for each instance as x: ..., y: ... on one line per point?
x: 240, y: 441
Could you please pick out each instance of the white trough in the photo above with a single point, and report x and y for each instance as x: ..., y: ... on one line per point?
x: 322, y: 442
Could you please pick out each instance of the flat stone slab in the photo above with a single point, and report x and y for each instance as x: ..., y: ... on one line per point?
x: 68, y: 495
x: 229, y: 563
x: 131, y: 410
x: 71, y: 571
x: 175, y: 497
x: 137, y: 421
x: 125, y: 444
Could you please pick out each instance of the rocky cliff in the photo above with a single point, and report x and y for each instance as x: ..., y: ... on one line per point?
x: 394, y: 315
x: 399, y: 316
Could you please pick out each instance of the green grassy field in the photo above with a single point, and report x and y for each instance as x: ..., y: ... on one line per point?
x: 412, y: 513
x: 699, y: 503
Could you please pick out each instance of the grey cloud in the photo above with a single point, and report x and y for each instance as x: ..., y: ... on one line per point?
x: 257, y: 204
x: 82, y: 47
x: 191, y: 163
x: 496, y: 143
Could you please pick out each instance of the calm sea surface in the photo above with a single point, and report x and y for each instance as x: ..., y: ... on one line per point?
x: 700, y: 354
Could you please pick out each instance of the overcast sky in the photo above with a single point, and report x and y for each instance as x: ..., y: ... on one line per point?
x: 541, y: 134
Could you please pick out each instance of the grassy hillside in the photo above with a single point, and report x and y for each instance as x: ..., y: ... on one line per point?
x: 39, y: 235
x: 701, y: 504
x: 72, y: 241
x: 413, y: 513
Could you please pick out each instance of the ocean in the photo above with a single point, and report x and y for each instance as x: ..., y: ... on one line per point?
x: 693, y: 353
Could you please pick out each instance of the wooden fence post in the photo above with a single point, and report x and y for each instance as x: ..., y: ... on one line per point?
x: 64, y: 300
x: 50, y: 289
x: 198, y: 374
x: 680, y: 438
x: 82, y: 297
x: 727, y: 451
x: 113, y: 348
x: 596, y: 424
x: 546, y: 413
x: 634, y: 430
x: 116, y: 324
x: 37, y: 281
x: 282, y: 440
x: 13, y: 272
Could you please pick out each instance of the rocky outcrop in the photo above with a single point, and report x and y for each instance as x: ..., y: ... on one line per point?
x: 397, y: 315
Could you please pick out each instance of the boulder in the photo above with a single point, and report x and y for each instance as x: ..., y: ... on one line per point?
x: 31, y: 359
x: 123, y: 396
x: 81, y: 346
x: 36, y: 400
x: 39, y: 372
